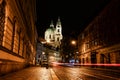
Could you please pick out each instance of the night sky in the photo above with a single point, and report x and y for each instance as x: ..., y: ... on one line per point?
x: 75, y: 15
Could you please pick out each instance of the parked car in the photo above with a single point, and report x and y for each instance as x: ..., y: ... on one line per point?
x: 44, y: 63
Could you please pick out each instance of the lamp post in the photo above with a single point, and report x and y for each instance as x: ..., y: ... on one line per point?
x: 73, y: 42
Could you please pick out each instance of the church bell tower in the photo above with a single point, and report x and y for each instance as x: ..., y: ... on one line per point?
x: 58, y: 32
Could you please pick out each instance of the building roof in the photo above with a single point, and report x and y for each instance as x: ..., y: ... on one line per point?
x: 50, y: 30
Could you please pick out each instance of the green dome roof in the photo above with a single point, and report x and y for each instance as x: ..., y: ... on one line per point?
x: 50, y: 29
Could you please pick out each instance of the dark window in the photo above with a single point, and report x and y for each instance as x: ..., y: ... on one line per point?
x: 109, y: 61
x: 58, y: 30
x: 39, y: 56
x: 101, y: 58
x: 57, y: 39
x: 49, y: 36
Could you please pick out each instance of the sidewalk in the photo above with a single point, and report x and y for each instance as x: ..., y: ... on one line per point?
x: 32, y: 73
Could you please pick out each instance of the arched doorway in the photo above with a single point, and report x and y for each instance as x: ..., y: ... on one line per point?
x: 93, y: 58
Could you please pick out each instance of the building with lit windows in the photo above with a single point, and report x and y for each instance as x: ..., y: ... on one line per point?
x: 17, y: 34
x: 100, y: 41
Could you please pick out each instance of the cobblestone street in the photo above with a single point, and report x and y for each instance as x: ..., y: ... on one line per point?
x: 63, y: 73
x: 32, y: 73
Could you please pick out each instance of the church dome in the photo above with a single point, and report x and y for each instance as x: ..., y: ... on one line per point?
x: 50, y: 30
x: 54, y: 34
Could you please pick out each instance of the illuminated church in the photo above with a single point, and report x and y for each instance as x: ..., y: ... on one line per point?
x: 53, y: 34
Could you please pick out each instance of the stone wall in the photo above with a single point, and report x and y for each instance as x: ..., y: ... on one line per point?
x: 17, y: 46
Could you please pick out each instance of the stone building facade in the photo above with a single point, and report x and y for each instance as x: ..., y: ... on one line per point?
x: 17, y: 34
x: 100, y: 42
x: 40, y: 52
x: 53, y: 35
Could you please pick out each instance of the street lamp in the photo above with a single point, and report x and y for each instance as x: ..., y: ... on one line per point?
x: 73, y: 42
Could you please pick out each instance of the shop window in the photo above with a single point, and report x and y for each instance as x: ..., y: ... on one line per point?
x: 101, y: 58
x: 87, y: 61
x: 109, y: 61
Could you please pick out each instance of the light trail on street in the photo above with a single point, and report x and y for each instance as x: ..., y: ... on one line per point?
x: 83, y: 73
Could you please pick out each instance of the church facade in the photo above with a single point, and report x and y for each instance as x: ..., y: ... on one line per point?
x: 53, y: 37
x: 53, y: 34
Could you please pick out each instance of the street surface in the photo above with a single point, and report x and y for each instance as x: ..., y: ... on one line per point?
x: 63, y: 73
x: 81, y: 73
x: 32, y: 73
